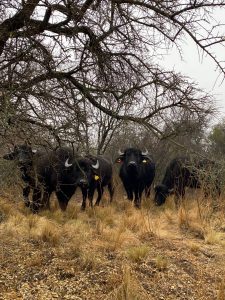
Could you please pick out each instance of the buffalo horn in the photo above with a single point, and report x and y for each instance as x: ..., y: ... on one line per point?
x: 120, y: 152
x: 67, y: 165
x: 96, y: 166
x: 144, y: 153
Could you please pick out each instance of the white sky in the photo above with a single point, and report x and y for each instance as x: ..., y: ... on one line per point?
x: 201, y: 69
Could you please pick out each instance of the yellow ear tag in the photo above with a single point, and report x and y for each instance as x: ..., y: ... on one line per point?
x: 144, y: 161
x: 97, y: 177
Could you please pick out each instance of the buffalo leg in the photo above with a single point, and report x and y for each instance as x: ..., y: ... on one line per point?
x: 36, y: 203
x: 137, y: 198
x: 26, y: 192
x: 91, y: 192
x: 62, y: 199
x: 138, y: 193
x: 45, y: 199
x: 100, y: 193
x: 147, y: 191
x: 111, y: 191
x: 84, y: 194
x: 64, y: 194
x: 129, y: 193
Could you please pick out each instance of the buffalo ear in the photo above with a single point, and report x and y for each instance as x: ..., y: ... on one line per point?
x: 171, y: 190
x: 9, y: 156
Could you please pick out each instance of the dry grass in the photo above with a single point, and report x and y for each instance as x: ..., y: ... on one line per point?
x: 133, y: 220
x: 183, y: 218
x: 129, y: 288
x: 194, y: 247
x: 50, y: 234
x: 137, y: 253
x: 211, y: 236
x: 35, y: 260
x: 90, y: 260
x: 161, y: 262
x: 170, y: 216
x: 115, y: 238
x: 97, y: 245
x: 105, y: 215
x: 221, y: 291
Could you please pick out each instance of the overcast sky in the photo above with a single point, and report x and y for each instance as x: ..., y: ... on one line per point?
x: 201, y: 69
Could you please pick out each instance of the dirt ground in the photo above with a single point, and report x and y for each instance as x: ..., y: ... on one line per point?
x: 112, y: 252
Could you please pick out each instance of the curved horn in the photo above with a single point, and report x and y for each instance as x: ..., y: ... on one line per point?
x: 144, y: 152
x: 120, y: 152
x: 67, y: 165
x: 96, y: 166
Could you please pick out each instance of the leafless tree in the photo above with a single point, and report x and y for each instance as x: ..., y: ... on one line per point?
x: 57, y: 56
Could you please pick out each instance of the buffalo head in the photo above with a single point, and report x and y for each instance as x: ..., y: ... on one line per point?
x: 84, y: 170
x: 133, y: 157
x: 23, y: 154
x: 161, y: 193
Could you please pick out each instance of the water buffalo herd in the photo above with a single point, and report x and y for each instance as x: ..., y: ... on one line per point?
x: 62, y: 171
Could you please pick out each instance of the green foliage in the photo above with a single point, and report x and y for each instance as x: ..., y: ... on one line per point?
x: 217, y: 139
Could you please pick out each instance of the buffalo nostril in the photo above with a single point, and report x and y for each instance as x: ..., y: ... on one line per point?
x: 83, y: 182
x: 132, y: 163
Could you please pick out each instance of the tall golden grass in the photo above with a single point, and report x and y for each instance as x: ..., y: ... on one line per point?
x: 118, y: 229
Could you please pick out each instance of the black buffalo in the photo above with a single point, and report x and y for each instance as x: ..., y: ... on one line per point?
x: 137, y: 172
x: 43, y: 173
x: 185, y: 172
x: 91, y: 173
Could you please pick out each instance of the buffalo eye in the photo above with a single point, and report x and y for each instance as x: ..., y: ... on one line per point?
x: 119, y: 160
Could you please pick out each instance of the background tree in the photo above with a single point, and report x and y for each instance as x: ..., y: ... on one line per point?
x: 217, y: 140
x: 58, y: 58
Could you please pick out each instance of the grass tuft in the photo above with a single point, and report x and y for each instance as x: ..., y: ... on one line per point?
x: 116, y: 238
x: 50, y: 234
x: 183, y: 219
x: 46, y: 231
x: 90, y: 260
x: 137, y: 254
x: 194, y: 247
x: 161, y: 262
x: 129, y: 288
x: 212, y: 237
